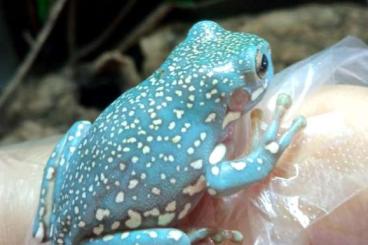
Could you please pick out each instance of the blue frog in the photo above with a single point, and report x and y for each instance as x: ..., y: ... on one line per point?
x: 143, y: 165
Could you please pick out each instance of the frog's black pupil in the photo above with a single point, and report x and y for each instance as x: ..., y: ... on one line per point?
x: 262, y: 66
x: 264, y: 63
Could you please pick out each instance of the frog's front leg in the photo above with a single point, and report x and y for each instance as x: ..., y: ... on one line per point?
x: 226, y: 177
x: 165, y: 236
x: 53, y: 174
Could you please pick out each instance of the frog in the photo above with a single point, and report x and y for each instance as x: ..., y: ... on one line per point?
x: 148, y: 159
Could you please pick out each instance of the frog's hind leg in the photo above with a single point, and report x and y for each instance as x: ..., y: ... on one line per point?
x: 54, y: 170
x: 159, y: 236
x: 165, y: 236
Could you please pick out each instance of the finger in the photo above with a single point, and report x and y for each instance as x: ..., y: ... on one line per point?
x: 21, y: 168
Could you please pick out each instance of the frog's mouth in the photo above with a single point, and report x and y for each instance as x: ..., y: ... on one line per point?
x: 236, y: 123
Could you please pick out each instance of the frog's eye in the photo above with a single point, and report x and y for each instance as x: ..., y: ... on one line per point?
x: 261, y: 64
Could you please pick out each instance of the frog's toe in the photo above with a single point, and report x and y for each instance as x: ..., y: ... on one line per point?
x: 40, y: 232
x: 299, y: 123
x: 216, y: 235
x: 284, y: 100
x: 230, y: 235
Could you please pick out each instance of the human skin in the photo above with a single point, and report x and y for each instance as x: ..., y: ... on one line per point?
x: 337, y: 222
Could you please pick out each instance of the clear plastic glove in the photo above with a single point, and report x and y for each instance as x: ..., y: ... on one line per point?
x: 318, y: 192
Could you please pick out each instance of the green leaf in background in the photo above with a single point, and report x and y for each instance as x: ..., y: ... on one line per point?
x: 43, y: 7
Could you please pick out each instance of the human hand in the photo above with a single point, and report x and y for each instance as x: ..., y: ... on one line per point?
x: 21, y: 168
x: 317, y: 193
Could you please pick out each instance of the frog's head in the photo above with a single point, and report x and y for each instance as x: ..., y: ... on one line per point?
x: 235, y: 65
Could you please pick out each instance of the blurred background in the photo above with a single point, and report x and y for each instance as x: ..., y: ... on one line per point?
x: 66, y: 60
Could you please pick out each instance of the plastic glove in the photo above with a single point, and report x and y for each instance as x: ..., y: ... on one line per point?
x: 318, y: 193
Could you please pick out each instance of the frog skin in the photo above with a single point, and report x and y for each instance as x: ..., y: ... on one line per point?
x: 143, y: 165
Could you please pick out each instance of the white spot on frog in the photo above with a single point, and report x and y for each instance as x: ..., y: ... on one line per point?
x: 165, y: 219
x: 178, y: 113
x: 176, y: 139
x: 135, y: 159
x: 119, y: 197
x: 102, y: 213
x: 190, y: 150
x: 40, y: 234
x: 198, y: 186
x: 107, y: 238
x: 156, y: 191
x: 124, y: 235
x: 98, y: 229
x: 122, y: 166
x: 217, y: 154
x: 185, y: 211
x: 238, y: 165
x: 175, y: 234
x: 203, y: 136
x: 171, y: 125
x: 152, y: 234
x: 212, y: 192
x: 273, y: 147
x: 82, y: 224
x: 170, y: 207
x: 198, y: 164
x: 115, y: 225
x: 50, y: 173
x: 133, y: 183
x: 135, y: 219
x: 215, y: 170
x: 152, y: 212
x: 211, y: 117
x: 146, y: 149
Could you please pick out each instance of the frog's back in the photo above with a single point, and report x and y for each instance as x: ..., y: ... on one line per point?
x: 126, y: 173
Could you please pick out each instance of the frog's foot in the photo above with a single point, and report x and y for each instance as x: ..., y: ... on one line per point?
x: 216, y: 235
x: 225, y: 177
x: 166, y: 236
x: 53, y: 174
x: 272, y: 147
x: 159, y: 236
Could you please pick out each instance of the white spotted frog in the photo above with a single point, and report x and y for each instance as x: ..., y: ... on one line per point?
x: 143, y: 165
